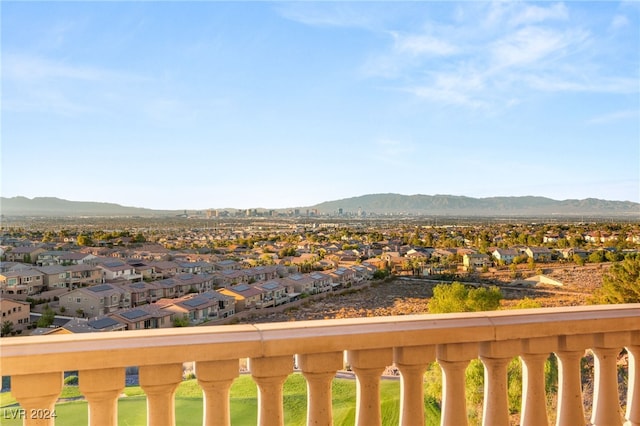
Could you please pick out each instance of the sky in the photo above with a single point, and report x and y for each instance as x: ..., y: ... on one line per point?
x: 196, y: 105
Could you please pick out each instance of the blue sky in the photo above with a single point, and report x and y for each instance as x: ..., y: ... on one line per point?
x: 257, y: 104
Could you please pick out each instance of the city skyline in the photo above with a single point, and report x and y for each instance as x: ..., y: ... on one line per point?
x: 202, y: 105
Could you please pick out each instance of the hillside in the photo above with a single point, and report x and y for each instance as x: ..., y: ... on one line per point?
x: 380, y: 204
x: 468, y: 206
x: 50, y: 206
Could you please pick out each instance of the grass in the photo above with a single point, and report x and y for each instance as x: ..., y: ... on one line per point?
x: 243, y: 402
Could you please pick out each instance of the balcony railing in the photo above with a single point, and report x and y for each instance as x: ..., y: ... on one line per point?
x: 36, y: 365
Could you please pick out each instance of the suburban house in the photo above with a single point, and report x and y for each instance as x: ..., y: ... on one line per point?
x: 274, y: 293
x: 476, y: 261
x: 25, y: 281
x: 505, y: 256
x: 142, y: 293
x: 195, y: 307
x: 246, y: 296
x: 224, y: 265
x: 342, y: 277
x: 75, y: 258
x: 194, y: 283
x: 96, y: 300
x: 262, y: 273
x: 321, y: 282
x: 568, y: 253
x: 301, y: 283
x: 82, y: 275
x: 194, y: 267
x: 165, y: 268
x: 16, y: 312
x: 117, y: 270
x: 144, y: 317
x: 226, y: 304
x: 54, y: 276
x: 85, y: 325
x: 49, y: 258
x: 230, y: 277
x: 539, y: 254
x: 25, y: 254
x: 363, y: 272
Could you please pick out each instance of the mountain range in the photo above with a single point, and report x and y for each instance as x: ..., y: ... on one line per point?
x: 437, y: 205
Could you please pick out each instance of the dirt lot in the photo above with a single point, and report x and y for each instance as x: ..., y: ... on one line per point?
x: 403, y: 297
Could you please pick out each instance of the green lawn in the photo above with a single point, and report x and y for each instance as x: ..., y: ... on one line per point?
x: 132, y: 408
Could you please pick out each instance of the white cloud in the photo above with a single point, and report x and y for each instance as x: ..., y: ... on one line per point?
x: 21, y: 67
x: 619, y: 21
x: 554, y: 83
x: 422, y: 45
x: 449, y: 96
x: 532, y: 44
x: 535, y: 14
x: 615, y: 116
x: 512, y: 14
x: 325, y: 14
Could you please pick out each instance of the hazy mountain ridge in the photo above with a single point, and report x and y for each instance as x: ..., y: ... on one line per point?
x: 461, y: 205
x: 52, y: 206
x: 417, y: 204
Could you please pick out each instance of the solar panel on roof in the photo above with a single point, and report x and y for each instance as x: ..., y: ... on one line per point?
x: 167, y: 282
x: 270, y: 286
x: 197, y: 301
x: 186, y: 276
x: 99, y: 288
x: 103, y: 323
x: 241, y: 287
x: 136, y: 313
x: 296, y: 277
x: 113, y: 264
x: 138, y: 285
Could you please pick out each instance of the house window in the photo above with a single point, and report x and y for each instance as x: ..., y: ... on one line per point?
x: 78, y: 300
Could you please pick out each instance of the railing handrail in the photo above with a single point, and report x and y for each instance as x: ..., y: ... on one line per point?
x: 171, y: 345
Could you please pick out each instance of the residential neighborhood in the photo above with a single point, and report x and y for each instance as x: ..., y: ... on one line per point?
x: 129, y: 275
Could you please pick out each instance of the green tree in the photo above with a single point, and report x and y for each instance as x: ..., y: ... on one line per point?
x: 7, y: 328
x: 527, y: 303
x: 456, y: 297
x: 181, y: 321
x: 84, y: 240
x: 597, y: 256
x: 621, y: 284
x: 47, y: 318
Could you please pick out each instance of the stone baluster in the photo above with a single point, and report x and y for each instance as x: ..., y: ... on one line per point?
x: 270, y: 373
x: 454, y: 359
x: 368, y: 365
x: 633, y: 386
x: 37, y: 395
x: 534, y: 354
x: 570, y: 404
x: 215, y: 378
x: 412, y: 361
x: 606, y: 405
x: 101, y: 388
x: 496, y: 356
x: 160, y: 382
x: 319, y: 370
